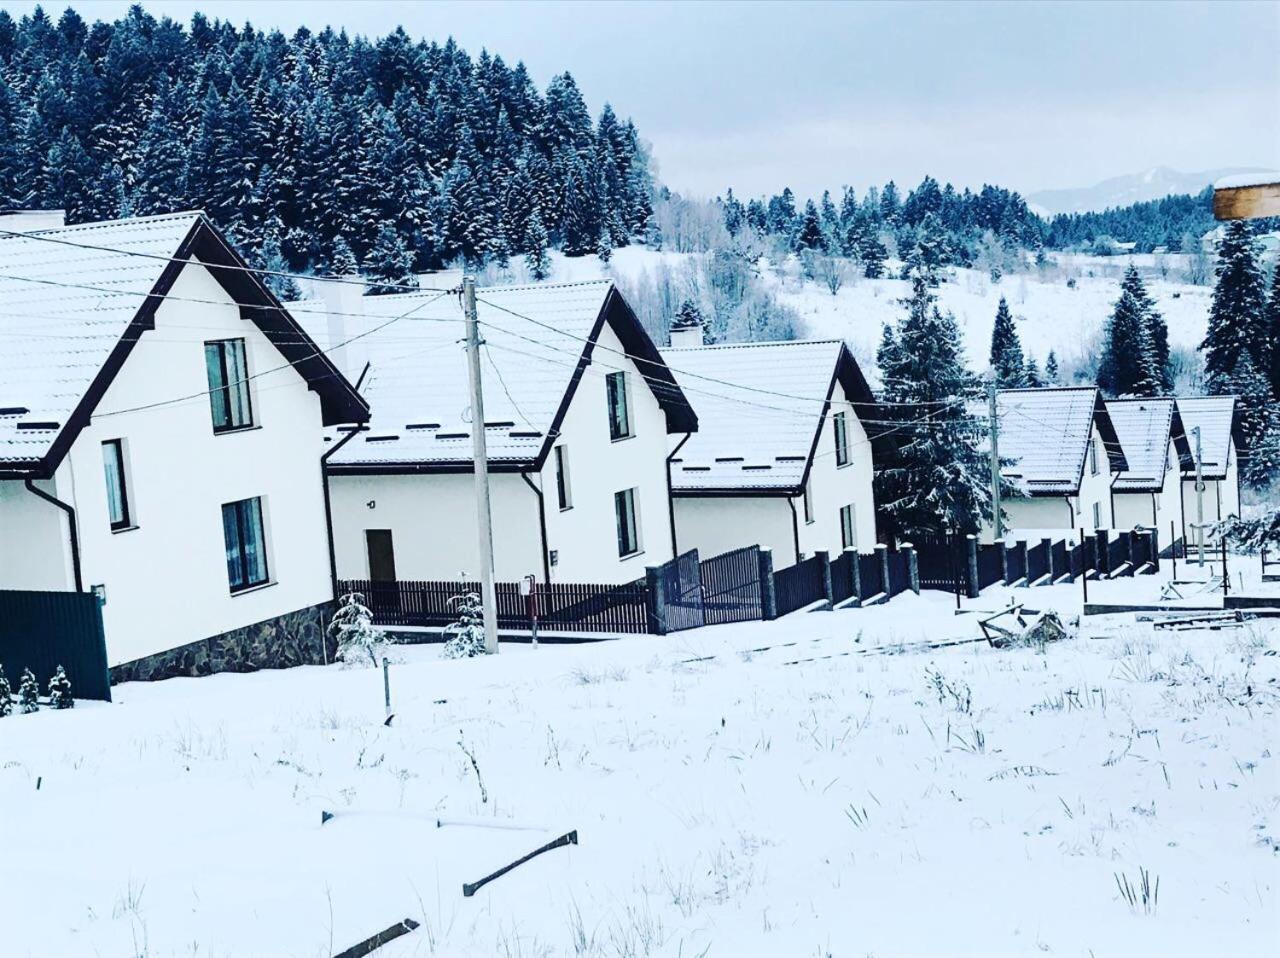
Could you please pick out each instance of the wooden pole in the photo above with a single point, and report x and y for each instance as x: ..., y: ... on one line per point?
x: 480, y: 459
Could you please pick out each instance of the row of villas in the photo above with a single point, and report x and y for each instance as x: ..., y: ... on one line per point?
x: 211, y: 461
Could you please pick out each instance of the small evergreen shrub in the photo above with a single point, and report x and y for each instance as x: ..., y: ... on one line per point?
x: 466, y: 636
x: 6, y: 694
x: 353, y: 629
x: 28, y: 693
x: 60, y: 690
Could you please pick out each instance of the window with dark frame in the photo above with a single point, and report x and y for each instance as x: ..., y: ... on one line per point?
x: 624, y: 507
x: 228, y: 371
x: 847, y: 540
x: 842, y: 439
x: 1097, y: 515
x: 619, y: 405
x: 1093, y: 458
x: 117, y: 484
x: 564, y: 494
x: 246, y: 544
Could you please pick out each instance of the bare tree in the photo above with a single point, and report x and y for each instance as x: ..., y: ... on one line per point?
x: 831, y: 272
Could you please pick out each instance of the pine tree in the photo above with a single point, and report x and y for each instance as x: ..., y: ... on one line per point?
x: 1031, y: 377
x: 353, y: 632
x: 389, y: 266
x: 28, y: 693
x: 1237, y: 315
x: 873, y: 254
x: 60, y: 690
x: 342, y: 262
x: 1258, y: 423
x: 1157, y: 330
x: 466, y: 635
x: 689, y: 316
x: 1051, y: 374
x: 1127, y: 367
x: 537, y: 260
x: 735, y: 214
x: 1273, y: 330
x: 938, y: 479
x: 6, y: 695
x: 810, y: 235
x: 1006, y: 350
x: 604, y: 248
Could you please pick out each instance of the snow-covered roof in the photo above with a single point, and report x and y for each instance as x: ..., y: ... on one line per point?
x: 67, y: 298
x: 1145, y: 427
x: 1243, y: 180
x: 1046, y: 432
x: 536, y: 340
x: 758, y: 433
x: 1216, y: 417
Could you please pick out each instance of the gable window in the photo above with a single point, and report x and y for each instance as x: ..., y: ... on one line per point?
x: 1097, y: 515
x: 564, y: 494
x: 1093, y: 458
x: 842, y: 439
x: 228, y: 384
x: 617, y: 389
x: 113, y: 467
x: 246, y: 543
x: 848, y: 539
x: 807, y: 496
x: 627, y: 511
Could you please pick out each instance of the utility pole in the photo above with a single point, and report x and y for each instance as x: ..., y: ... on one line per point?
x: 480, y: 458
x: 1199, y: 501
x: 997, y: 520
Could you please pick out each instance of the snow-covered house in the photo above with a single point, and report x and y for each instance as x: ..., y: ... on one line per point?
x: 1148, y: 492
x: 161, y: 431
x: 1060, y: 452
x: 782, y: 457
x: 1215, y: 417
x: 578, y: 409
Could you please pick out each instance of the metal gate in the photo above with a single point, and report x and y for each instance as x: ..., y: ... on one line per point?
x: 681, y: 585
x: 42, y: 630
x: 731, y: 586
x: 939, y: 564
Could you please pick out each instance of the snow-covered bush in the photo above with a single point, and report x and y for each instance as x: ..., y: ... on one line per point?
x: 6, y: 695
x: 28, y: 693
x: 1251, y: 535
x: 466, y: 636
x: 60, y: 690
x: 353, y: 629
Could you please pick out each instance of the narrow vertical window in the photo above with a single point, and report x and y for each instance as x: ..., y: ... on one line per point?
x: 842, y: 439
x: 808, y: 502
x: 1097, y: 515
x: 627, y: 513
x: 1093, y: 458
x: 619, y: 406
x: 246, y: 544
x: 228, y: 371
x: 847, y: 537
x: 117, y: 484
x: 564, y: 494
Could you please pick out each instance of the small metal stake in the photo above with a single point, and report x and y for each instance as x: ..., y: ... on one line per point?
x: 386, y: 689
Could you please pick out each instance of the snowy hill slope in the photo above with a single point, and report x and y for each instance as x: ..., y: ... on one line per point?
x: 1150, y: 184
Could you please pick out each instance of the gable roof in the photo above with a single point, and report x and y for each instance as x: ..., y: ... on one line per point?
x: 760, y: 409
x: 1046, y: 432
x: 74, y: 301
x: 539, y: 343
x: 1216, y: 417
x: 1145, y: 428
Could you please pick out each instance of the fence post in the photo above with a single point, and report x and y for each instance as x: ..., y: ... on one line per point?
x: 913, y: 567
x: 882, y: 555
x: 1047, y: 545
x: 855, y: 573
x: 1004, y: 561
x: 824, y: 563
x: 768, y: 595
x: 1154, y: 541
x: 972, y: 589
x: 654, y: 600
x: 1102, y: 553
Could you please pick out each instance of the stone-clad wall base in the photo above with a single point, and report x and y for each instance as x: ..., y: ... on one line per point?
x: 295, y: 638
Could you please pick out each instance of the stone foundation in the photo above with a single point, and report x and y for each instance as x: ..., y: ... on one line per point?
x: 295, y: 638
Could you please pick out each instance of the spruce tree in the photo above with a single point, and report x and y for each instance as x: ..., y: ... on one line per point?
x: 6, y: 694
x: 1006, y: 350
x: 1157, y: 329
x: 60, y: 690
x: 1031, y: 377
x: 872, y: 252
x: 938, y: 481
x: 28, y: 693
x: 389, y: 267
x: 1273, y: 330
x: 1258, y: 422
x: 689, y: 316
x: 810, y: 236
x: 1051, y: 374
x: 1237, y: 315
x: 536, y: 259
x: 1127, y: 367
x: 604, y: 248
x: 342, y: 262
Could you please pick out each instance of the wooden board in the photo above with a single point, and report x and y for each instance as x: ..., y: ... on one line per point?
x: 1247, y: 202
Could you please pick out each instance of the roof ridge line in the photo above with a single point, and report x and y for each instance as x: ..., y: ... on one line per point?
x: 97, y: 224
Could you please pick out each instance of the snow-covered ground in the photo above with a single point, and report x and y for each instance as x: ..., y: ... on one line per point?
x: 819, y: 785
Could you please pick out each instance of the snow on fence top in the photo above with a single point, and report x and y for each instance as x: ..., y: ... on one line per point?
x: 1216, y: 417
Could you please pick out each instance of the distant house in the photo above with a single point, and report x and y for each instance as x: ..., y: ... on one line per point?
x: 1060, y: 451
x: 578, y: 409
x: 782, y: 457
x: 1149, y: 492
x: 161, y: 428
x: 1215, y: 418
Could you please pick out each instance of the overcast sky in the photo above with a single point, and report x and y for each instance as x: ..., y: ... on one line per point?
x: 757, y: 96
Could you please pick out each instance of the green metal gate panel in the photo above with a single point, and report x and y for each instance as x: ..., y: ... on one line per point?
x: 42, y: 630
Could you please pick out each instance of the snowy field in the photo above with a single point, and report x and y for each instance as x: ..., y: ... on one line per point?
x: 820, y: 785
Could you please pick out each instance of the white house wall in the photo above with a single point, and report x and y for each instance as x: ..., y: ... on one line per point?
x: 1221, y: 496
x: 35, y: 550
x: 166, y: 580
x: 713, y: 525
x: 1159, y: 509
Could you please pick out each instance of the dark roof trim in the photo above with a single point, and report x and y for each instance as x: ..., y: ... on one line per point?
x: 737, y: 492
x: 1110, y: 440
x: 415, y: 468
x: 848, y: 374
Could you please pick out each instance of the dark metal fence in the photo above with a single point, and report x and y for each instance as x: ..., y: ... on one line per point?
x: 990, y: 564
x: 1117, y: 553
x: 680, y: 581
x: 1015, y: 562
x: 899, y: 573
x: 941, y: 564
x: 842, y: 567
x: 799, y: 585
x: 42, y: 630
x: 562, y: 607
x: 1058, y: 559
x: 869, y: 583
x: 1037, y: 561
x: 731, y: 586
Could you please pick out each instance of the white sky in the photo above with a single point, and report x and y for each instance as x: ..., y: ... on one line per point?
x: 811, y: 95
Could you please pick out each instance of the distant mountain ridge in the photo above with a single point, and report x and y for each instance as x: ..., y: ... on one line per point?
x: 1152, y: 184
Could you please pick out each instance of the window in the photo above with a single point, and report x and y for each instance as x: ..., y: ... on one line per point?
x: 808, y: 503
x: 842, y: 439
x: 1093, y: 458
x: 228, y: 384
x: 627, y: 511
x: 117, y: 485
x: 848, y: 539
x: 619, y: 406
x: 1097, y: 515
x: 246, y: 544
x: 563, y: 493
